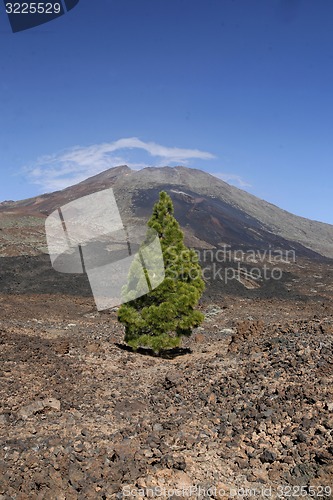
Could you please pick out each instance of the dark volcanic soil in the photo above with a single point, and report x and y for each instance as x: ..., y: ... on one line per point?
x: 246, y: 403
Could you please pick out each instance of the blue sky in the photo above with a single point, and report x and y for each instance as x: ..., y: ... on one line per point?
x: 242, y: 89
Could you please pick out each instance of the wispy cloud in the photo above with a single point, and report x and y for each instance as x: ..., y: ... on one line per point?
x: 68, y: 167
x: 235, y: 180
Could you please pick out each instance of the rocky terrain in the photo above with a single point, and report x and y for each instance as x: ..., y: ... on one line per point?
x: 243, y: 410
x: 246, y: 403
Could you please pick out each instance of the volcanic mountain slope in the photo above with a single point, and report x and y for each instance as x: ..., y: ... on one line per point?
x: 211, y: 212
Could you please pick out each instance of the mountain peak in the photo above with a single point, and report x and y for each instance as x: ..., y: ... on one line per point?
x: 211, y: 211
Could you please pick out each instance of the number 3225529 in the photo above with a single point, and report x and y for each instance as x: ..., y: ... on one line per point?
x: 33, y: 8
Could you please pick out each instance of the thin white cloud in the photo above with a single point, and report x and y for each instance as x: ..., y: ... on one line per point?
x: 235, y: 180
x: 60, y: 170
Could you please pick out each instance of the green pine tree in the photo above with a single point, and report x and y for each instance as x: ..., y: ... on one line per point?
x: 160, y: 318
